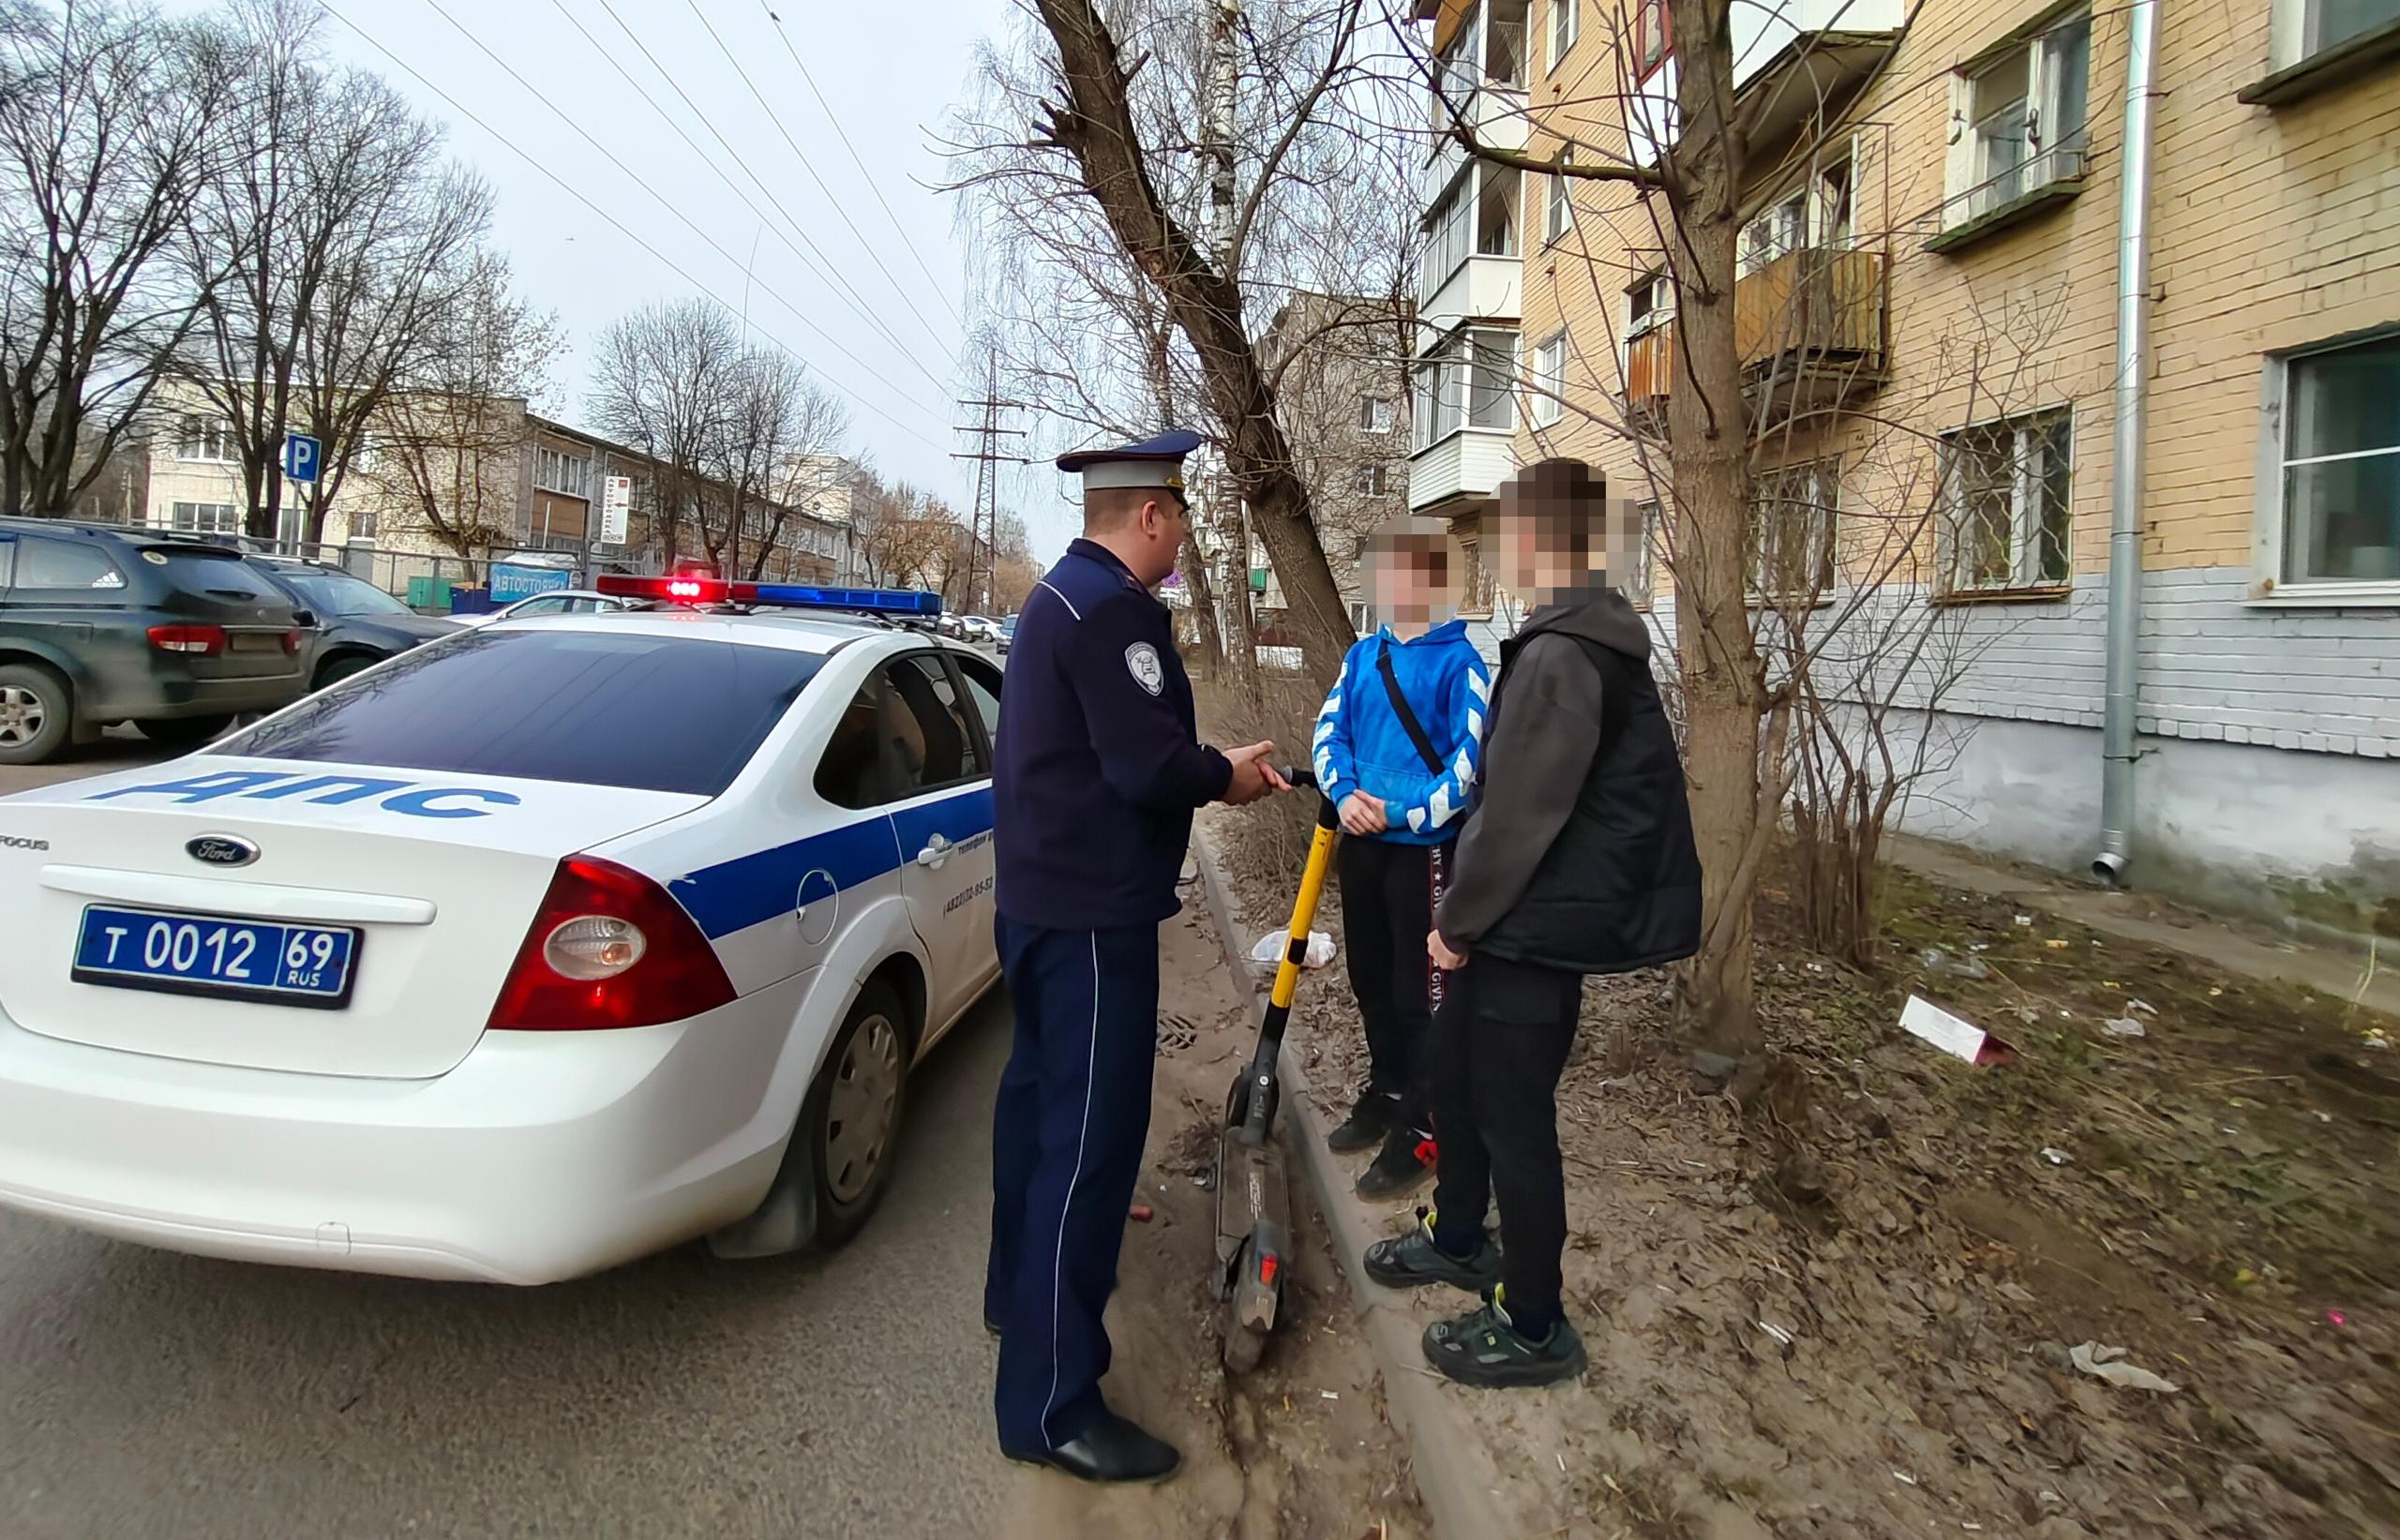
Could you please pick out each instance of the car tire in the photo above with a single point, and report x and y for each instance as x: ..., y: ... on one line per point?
x: 37, y: 715
x: 852, y: 1117
x: 334, y: 670
x: 183, y: 732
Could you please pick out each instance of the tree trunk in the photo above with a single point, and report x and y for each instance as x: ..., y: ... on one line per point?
x: 1202, y: 592
x: 1095, y: 125
x: 1723, y: 681
x: 1242, y: 632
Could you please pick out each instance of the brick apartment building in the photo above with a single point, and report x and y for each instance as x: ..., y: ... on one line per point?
x: 1927, y: 308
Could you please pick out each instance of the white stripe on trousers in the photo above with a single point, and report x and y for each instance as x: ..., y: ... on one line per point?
x: 1058, y: 1255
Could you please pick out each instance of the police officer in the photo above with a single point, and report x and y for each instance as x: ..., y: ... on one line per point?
x: 1098, y: 773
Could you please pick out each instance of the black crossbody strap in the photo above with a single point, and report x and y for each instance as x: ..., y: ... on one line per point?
x: 1415, y: 728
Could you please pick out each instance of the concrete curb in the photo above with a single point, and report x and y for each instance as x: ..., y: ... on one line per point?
x: 1447, y: 1478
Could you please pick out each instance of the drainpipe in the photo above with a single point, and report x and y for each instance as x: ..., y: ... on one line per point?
x: 2125, y: 473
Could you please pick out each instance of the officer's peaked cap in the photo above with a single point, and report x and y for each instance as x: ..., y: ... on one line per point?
x: 1153, y: 462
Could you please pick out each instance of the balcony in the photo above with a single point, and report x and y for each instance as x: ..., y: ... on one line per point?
x: 1468, y: 465
x: 1483, y: 288
x: 1809, y: 326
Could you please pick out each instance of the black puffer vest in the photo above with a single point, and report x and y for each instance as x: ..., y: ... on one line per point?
x: 1619, y: 889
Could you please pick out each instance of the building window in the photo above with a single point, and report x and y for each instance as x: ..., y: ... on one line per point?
x: 1792, y: 530
x: 206, y: 438
x: 1653, y: 38
x: 1550, y: 381
x: 1558, y: 216
x: 1437, y: 398
x: 1450, y: 231
x: 2018, y: 120
x: 1492, y: 392
x: 1641, y: 581
x: 2007, y: 516
x: 1374, y: 481
x: 555, y: 471
x: 2338, y: 482
x: 1470, y: 380
x: 1649, y: 305
x: 1780, y: 227
x: 365, y: 523
x: 204, y: 518
x: 2313, y: 26
x: 1374, y: 414
x: 1566, y: 26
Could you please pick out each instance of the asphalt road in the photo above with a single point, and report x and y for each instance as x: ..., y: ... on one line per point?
x: 144, y: 1394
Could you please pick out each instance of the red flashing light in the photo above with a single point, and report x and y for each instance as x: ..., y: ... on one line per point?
x: 684, y: 588
x: 674, y: 974
x: 205, y: 641
x: 1268, y: 1266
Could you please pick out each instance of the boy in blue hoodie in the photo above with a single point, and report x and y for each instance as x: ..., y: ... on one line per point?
x: 1404, y: 779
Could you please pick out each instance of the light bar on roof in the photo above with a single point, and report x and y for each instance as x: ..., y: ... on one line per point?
x: 874, y: 600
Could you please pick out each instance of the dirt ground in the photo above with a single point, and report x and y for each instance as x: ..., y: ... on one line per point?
x: 1849, y: 1312
x: 1299, y: 1449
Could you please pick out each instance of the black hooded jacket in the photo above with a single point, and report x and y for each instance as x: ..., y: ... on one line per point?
x: 1580, y: 854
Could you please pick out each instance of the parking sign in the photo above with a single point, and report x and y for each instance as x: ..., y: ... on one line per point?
x: 301, y: 457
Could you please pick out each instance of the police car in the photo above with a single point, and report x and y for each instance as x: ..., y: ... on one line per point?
x: 545, y: 946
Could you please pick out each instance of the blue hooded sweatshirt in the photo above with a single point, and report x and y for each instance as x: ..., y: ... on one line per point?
x: 1359, y: 744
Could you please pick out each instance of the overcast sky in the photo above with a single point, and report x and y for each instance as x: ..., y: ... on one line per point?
x: 873, y: 311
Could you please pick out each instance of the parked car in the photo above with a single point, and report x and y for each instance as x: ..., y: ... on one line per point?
x: 358, y: 624
x: 560, y: 602
x: 981, y: 630
x: 1008, y: 635
x: 101, y: 624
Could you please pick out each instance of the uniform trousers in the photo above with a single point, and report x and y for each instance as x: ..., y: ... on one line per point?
x: 1067, y: 1136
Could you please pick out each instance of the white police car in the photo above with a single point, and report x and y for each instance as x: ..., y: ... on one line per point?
x: 528, y: 952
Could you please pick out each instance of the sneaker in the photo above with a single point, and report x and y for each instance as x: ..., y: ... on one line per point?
x: 1400, y: 1169
x: 1484, y: 1349
x: 1415, y: 1260
x: 1365, y: 1127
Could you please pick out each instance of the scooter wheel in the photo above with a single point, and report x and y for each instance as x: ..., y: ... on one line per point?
x: 1243, y: 1348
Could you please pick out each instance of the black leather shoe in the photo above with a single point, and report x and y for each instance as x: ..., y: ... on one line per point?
x: 1112, y: 1452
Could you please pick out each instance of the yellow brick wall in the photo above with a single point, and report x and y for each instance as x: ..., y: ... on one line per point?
x: 2272, y: 228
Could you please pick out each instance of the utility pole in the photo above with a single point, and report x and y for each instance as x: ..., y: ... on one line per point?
x: 983, y: 522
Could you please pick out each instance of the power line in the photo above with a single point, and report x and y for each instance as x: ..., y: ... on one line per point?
x: 983, y: 522
x: 868, y: 247
x: 618, y: 225
x: 864, y: 175
x: 830, y: 278
x: 656, y: 196
x: 856, y: 300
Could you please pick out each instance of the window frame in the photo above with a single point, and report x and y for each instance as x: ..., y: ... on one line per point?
x: 232, y: 520
x: 1558, y: 201
x: 1374, y: 480
x: 1564, y: 31
x: 2270, y: 541
x: 1756, y: 593
x: 1375, y: 413
x: 1653, y: 38
x: 2026, y: 520
x: 195, y: 434
x: 1548, y: 387
x: 2055, y: 159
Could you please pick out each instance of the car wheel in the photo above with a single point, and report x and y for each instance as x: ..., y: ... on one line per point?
x: 339, y: 669
x: 37, y: 715
x: 183, y: 732
x: 852, y: 1117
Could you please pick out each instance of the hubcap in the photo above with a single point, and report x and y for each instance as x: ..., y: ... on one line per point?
x: 21, y: 714
x: 858, y: 1118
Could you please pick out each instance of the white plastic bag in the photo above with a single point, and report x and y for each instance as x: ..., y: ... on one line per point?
x: 1270, y: 949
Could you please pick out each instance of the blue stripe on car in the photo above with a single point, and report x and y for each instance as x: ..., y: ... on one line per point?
x: 764, y: 885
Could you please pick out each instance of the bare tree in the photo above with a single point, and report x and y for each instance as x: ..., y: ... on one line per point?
x: 662, y: 383
x: 805, y: 469
x: 108, y: 122
x: 445, y: 444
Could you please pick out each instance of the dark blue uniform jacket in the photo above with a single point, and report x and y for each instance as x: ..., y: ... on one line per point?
x: 1099, y: 762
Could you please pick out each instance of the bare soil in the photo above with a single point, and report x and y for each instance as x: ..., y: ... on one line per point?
x: 1845, y: 1313
x: 1298, y: 1450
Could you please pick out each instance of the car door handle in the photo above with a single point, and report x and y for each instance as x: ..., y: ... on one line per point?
x: 936, y: 851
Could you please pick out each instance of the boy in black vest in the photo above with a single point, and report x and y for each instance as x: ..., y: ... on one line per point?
x: 1579, y: 859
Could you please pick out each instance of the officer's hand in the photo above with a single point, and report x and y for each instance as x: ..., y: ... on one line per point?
x: 1439, y: 950
x: 1363, y: 814
x: 1253, y: 777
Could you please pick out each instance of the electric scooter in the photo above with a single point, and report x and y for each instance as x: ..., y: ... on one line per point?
x: 1253, y: 1196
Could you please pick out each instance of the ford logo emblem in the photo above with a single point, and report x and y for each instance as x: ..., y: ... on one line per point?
x: 221, y: 851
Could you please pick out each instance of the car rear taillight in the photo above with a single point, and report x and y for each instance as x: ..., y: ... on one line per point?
x: 291, y: 644
x: 205, y: 641
x: 608, y: 948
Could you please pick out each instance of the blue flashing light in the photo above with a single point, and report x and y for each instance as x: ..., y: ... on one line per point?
x: 873, y: 600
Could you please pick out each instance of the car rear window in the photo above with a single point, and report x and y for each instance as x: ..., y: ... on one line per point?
x: 215, y: 575
x: 652, y: 713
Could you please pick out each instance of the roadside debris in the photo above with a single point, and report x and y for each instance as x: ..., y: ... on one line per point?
x: 1141, y: 1212
x: 2123, y: 1026
x: 2055, y: 1156
x: 1937, y: 960
x: 1270, y: 949
x: 1953, y: 1035
x: 2110, y: 1364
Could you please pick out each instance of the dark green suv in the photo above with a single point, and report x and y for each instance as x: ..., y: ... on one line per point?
x: 101, y: 624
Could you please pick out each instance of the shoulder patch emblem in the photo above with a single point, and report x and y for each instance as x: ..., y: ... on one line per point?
x: 1142, y: 661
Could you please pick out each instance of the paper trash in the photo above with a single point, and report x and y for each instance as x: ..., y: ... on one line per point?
x: 2110, y: 1364
x: 1953, y: 1035
x: 1270, y: 949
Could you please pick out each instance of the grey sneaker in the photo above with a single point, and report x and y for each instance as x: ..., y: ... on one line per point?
x: 1484, y: 1349
x: 1414, y: 1260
